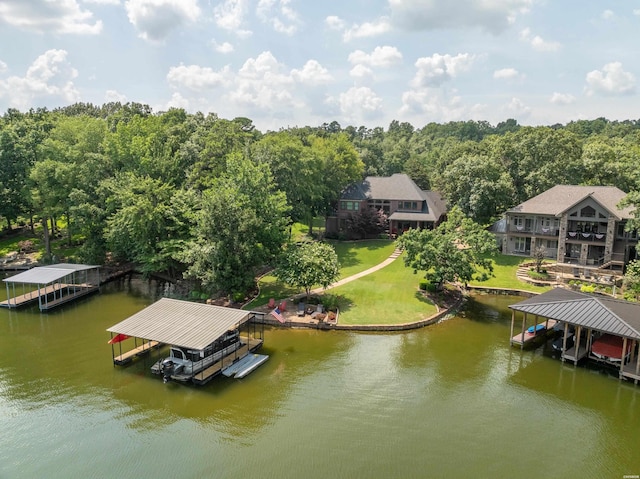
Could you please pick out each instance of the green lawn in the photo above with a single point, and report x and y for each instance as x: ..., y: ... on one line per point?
x: 354, y: 257
x: 388, y: 296
x: 504, y: 270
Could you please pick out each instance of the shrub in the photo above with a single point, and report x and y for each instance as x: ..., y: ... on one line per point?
x: 237, y: 297
x: 588, y: 288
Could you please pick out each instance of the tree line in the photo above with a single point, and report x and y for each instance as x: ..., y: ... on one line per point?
x: 213, y: 199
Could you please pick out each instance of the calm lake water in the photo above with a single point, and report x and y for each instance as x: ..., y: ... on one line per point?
x: 451, y: 400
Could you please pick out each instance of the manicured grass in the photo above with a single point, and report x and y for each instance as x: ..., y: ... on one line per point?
x: 356, y: 256
x: 300, y: 231
x: 388, y: 296
x: 504, y: 270
x: 353, y: 256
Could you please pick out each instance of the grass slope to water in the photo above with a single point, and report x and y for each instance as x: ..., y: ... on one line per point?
x: 504, y: 275
x: 388, y: 296
x: 354, y: 257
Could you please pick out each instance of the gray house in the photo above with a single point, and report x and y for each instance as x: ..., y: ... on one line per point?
x: 405, y: 204
x: 578, y: 225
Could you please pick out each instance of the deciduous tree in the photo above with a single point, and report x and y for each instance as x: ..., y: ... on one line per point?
x: 453, y: 252
x: 307, y: 265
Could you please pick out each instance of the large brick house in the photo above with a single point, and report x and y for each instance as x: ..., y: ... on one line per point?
x: 578, y: 225
x: 405, y: 204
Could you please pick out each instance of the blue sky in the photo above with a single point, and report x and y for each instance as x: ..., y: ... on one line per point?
x: 289, y: 63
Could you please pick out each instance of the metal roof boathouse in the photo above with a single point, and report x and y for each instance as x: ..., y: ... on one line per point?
x: 187, y: 325
x: 55, y: 284
x: 612, y: 324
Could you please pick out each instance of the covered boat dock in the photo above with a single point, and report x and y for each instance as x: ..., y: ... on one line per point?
x: 55, y: 284
x: 596, y: 319
x: 192, y: 326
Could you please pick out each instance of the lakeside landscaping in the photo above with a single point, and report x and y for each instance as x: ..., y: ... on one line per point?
x: 504, y: 275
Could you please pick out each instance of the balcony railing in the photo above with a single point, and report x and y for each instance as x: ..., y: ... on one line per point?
x: 539, y: 230
x: 579, y: 236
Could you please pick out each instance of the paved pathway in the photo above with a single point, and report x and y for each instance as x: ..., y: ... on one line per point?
x: 373, y: 269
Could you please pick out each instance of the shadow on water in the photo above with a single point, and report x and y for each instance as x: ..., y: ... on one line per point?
x: 62, y: 356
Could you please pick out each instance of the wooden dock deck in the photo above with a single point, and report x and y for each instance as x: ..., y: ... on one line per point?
x: 72, y: 291
x: 206, y: 375
x: 144, y: 348
x: 531, y: 337
x: 570, y: 354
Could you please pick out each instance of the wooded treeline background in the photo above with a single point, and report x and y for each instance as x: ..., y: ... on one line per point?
x: 213, y: 199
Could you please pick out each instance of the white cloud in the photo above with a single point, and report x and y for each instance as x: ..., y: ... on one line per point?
x: 607, y: 15
x: 103, y: 2
x: 114, y: 96
x: 229, y: 15
x: 562, y: 99
x: 384, y: 57
x: 518, y: 108
x: 361, y: 71
x: 432, y: 103
x: 334, y: 23
x: 437, y: 69
x: 612, y: 80
x: 360, y: 103
x: 66, y: 17
x: 279, y: 15
x: 507, y: 74
x: 50, y: 77
x: 197, y: 78
x: 537, y: 43
x: 178, y: 101
x: 312, y: 73
x: 493, y: 16
x: 224, y: 47
x: 3, y: 67
x: 262, y: 83
x: 367, y: 29
x: 155, y: 19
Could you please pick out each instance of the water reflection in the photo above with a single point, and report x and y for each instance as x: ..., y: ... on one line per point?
x: 450, y: 400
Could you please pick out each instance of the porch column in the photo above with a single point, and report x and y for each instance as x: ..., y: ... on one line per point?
x: 524, y: 321
x: 562, y: 239
x: 611, y: 234
x: 564, y: 340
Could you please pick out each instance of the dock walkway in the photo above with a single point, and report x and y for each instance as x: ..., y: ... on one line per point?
x: 144, y: 348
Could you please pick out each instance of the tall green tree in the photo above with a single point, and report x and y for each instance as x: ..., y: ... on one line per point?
x: 241, y: 227
x: 452, y: 253
x: 307, y: 265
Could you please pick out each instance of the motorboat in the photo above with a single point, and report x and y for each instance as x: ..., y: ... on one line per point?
x: 608, y: 348
x: 182, y: 364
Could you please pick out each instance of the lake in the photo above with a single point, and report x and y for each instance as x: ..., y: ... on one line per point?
x: 449, y: 400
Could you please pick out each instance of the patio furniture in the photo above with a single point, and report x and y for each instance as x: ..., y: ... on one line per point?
x: 272, y: 303
x: 300, y: 309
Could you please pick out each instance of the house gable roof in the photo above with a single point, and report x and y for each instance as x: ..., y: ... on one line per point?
x: 560, y: 198
x: 395, y: 187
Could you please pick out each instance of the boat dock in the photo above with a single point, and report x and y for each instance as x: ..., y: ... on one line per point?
x: 128, y: 356
x: 598, y: 316
x: 55, y: 285
x: 192, y: 329
x: 531, y: 334
x: 230, y: 363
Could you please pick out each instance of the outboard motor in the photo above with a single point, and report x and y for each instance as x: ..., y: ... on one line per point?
x: 168, y: 368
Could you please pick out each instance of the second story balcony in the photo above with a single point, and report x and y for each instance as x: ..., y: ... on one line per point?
x: 580, y: 236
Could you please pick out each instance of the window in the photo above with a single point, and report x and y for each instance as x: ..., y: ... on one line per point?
x: 588, y: 212
x: 349, y: 205
x: 521, y: 244
x: 552, y: 244
x: 409, y: 205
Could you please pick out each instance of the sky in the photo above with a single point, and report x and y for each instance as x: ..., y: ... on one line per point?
x: 288, y: 63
